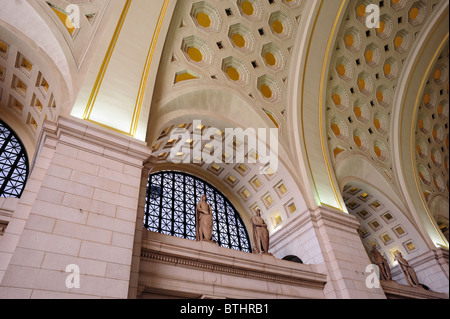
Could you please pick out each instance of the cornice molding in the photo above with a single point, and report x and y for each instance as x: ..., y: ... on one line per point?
x: 210, y: 257
x: 86, y: 136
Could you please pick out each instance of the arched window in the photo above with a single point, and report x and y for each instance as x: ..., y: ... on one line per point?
x: 170, y: 209
x: 13, y: 163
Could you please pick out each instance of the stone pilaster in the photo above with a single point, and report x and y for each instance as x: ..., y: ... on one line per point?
x: 345, y: 257
x: 134, y: 291
x: 79, y: 207
x: 329, y: 239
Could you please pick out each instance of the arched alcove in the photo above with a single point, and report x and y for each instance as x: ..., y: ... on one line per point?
x: 35, y: 26
x: 248, y: 181
x: 217, y: 107
x: 382, y: 222
x: 409, y: 99
x: 439, y: 209
x: 264, y: 178
x: 171, y: 209
x: 32, y: 87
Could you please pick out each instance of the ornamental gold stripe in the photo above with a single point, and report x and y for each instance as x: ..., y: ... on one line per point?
x: 144, y: 78
x: 302, y: 107
x: 145, y: 73
x: 108, y: 127
x: 321, y: 92
x: 104, y: 66
x: 335, y: 193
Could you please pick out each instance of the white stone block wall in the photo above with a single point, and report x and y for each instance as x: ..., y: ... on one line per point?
x: 345, y: 257
x: 298, y: 238
x: 79, y: 207
x: 7, y: 207
x: 19, y: 213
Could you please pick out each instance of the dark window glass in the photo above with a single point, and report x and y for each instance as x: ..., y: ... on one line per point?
x: 13, y: 163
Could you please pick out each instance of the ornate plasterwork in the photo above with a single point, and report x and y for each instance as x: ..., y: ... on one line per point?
x: 382, y: 223
x: 362, y: 82
x: 28, y: 92
x: 274, y: 192
x: 432, y: 138
x: 86, y: 14
x: 251, y: 44
x: 38, y: 68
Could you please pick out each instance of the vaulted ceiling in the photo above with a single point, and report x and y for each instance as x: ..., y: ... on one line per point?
x: 235, y: 64
x: 243, y: 46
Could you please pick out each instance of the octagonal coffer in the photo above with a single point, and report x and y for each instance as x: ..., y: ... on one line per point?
x: 250, y: 9
x: 241, y: 38
x: 206, y: 17
x: 235, y: 71
x: 417, y: 13
x: 352, y: 39
x: 269, y: 89
x: 197, y: 51
x: 280, y: 25
x: 273, y: 57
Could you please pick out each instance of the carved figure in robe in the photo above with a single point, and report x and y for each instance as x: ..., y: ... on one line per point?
x: 204, y: 220
x: 382, y: 263
x: 408, y: 271
x: 260, y: 234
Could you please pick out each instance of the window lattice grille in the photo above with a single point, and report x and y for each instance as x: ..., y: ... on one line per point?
x: 170, y: 209
x: 13, y: 163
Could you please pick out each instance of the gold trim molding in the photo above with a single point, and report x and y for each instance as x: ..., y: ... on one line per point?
x: 320, y: 109
x: 144, y: 78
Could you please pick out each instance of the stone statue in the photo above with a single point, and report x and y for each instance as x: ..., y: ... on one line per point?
x: 382, y: 263
x: 260, y: 234
x: 408, y: 271
x: 204, y: 220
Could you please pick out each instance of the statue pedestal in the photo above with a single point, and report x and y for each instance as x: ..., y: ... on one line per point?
x: 208, y: 241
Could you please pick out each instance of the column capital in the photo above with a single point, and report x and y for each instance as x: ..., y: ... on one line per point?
x: 90, y: 137
x: 334, y: 218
